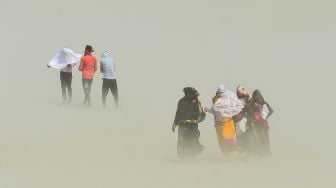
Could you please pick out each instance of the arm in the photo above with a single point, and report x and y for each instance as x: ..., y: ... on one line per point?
x: 202, y: 115
x: 101, y: 67
x: 248, y: 106
x: 80, y: 68
x: 95, y: 64
x: 270, y: 110
x: 177, y: 118
x: 177, y: 115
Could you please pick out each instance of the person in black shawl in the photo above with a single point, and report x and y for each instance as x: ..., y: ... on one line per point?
x: 258, y: 111
x: 188, y: 114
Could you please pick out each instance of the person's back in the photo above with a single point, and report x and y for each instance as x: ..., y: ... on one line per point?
x: 188, y: 114
x: 107, y: 66
x: 88, y: 66
x: 189, y: 109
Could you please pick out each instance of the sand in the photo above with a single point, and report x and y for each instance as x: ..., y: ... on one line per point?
x: 285, y: 49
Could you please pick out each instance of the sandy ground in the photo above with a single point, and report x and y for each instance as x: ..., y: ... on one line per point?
x: 285, y: 49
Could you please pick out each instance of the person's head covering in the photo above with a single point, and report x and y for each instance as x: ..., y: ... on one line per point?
x: 221, y: 88
x: 89, y: 49
x: 190, y: 93
x: 106, y: 57
x: 258, y: 98
x: 241, y: 92
x: 63, y: 58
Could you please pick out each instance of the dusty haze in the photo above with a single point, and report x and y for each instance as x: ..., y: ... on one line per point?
x: 284, y: 48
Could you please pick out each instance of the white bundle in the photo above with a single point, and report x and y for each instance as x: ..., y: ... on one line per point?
x: 63, y: 58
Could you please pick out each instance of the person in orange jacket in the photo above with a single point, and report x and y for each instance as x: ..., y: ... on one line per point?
x: 88, y: 66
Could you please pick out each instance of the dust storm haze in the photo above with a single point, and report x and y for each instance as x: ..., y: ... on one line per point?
x: 284, y: 48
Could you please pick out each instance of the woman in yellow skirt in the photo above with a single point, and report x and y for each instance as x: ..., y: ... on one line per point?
x: 225, y: 105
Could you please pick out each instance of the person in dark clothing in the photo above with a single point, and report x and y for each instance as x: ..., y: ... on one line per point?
x: 66, y: 78
x: 258, y: 112
x: 188, y: 114
x: 65, y: 60
x: 240, y: 119
x: 110, y: 84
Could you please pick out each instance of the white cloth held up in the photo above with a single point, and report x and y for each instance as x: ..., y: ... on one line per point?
x: 63, y: 58
x: 227, y: 105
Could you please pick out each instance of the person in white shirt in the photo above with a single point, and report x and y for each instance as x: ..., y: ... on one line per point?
x: 107, y: 67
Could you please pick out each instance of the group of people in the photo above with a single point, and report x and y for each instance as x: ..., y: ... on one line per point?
x: 241, y: 122
x: 66, y: 59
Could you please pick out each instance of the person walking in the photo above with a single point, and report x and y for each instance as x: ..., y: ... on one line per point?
x: 225, y: 105
x: 188, y: 115
x: 88, y: 66
x: 258, y: 112
x: 240, y: 120
x: 65, y: 60
x: 107, y: 67
x: 66, y: 79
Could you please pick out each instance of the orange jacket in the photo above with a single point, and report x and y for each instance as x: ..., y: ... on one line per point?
x: 88, y: 66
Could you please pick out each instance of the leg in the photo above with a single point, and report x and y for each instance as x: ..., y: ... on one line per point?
x: 220, y: 138
x: 104, y: 92
x: 89, y: 91
x: 63, y: 86
x: 69, y: 79
x: 85, y: 85
x: 266, y: 146
x: 197, y: 146
x: 114, y: 90
x: 181, y: 145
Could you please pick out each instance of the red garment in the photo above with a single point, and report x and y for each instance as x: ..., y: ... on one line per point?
x: 88, y: 66
x: 257, y: 115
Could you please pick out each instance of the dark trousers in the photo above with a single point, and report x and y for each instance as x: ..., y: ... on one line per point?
x: 110, y: 84
x: 66, y: 78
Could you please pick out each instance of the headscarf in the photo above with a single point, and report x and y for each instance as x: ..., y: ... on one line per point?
x: 221, y: 88
x: 241, y: 93
x: 190, y: 93
x: 106, y: 57
x: 88, y: 50
x: 258, y: 98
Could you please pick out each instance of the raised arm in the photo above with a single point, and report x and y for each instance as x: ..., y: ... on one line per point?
x: 270, y: 110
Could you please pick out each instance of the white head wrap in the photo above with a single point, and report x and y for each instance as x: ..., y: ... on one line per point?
x: 221, y: 88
